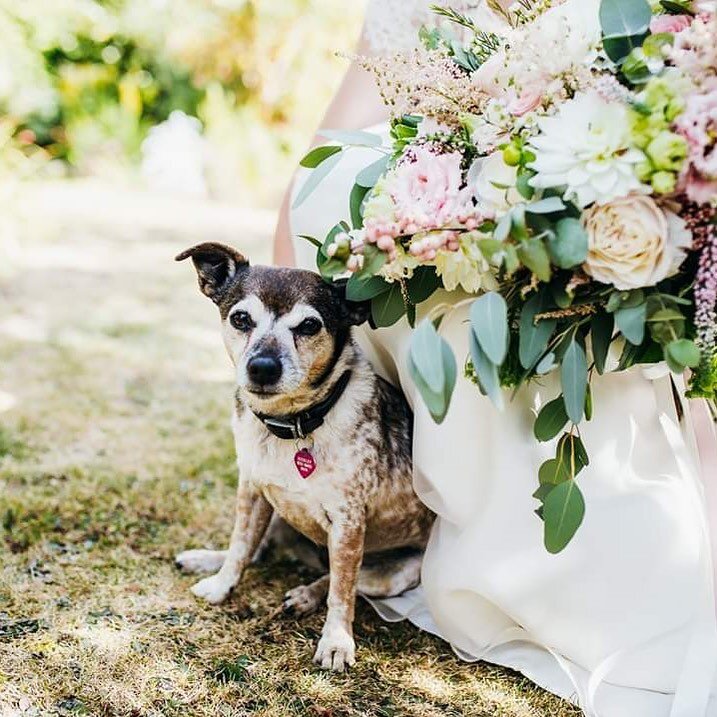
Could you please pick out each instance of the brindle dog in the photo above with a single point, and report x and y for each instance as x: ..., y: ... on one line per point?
x: 320, y: 439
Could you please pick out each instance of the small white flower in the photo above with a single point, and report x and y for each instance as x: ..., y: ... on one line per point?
x: 493, y: 184
x: 586, y: 148
x: 458, y: 270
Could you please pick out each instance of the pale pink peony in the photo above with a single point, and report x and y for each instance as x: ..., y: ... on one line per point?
x: 669, y: 23
x: 426, y: 189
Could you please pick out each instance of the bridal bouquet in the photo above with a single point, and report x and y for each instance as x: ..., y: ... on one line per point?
x: 558, y: 161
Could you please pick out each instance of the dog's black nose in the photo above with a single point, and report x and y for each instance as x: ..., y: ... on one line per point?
x: 264, y: 370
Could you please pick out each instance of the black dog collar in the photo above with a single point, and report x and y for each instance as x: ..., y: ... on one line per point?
x: 300, y: 425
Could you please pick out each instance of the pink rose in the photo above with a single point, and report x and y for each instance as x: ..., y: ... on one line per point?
x: 528, y: 100
x: 669, y: 23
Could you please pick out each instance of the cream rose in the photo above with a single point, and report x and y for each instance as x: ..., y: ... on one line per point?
x: 632, y: 243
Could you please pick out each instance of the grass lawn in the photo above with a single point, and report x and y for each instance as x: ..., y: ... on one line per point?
x: 115, y: 454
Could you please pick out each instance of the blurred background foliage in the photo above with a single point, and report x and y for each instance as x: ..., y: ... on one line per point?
x: 208, y: 97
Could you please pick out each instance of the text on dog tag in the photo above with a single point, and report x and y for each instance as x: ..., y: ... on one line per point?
x: 305, y: 462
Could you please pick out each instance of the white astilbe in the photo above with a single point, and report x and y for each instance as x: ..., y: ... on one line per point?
x: 425, y: 82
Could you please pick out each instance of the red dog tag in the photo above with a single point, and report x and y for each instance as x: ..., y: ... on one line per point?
x: 305, y: 462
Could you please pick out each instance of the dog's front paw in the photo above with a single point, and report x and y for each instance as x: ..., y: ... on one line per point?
x: 200, y: 561
x: 215, y: 589
x: 336, y: 650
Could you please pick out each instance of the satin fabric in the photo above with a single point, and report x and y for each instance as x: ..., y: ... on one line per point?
x: 622, y: 622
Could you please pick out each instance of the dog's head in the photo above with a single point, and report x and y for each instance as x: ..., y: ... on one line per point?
x: 285, y: 329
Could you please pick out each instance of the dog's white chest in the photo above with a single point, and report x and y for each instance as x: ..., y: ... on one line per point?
x: 304, y: 502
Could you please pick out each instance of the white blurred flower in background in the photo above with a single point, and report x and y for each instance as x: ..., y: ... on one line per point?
x: 174, y: 156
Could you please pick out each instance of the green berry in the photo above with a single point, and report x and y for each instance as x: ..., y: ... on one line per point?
x: 512, y: 155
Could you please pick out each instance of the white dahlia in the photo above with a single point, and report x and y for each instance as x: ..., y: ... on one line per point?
x: 586, y: 148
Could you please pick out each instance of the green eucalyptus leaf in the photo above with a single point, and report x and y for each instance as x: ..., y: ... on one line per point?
x: 564, y: 510
x: 623, y: 18
x: 602, y: 326
x: 666, y: 325
x: 534, y: 255
x: 569, y: 244
x: 368, y: 176
x: 546, y: 364
x: 631, y: 323
x: 502, y: 230
x: 589, y: 404
x: 315, y: 178
x: 543, y: 489
x: 311, y: 240
x: 373, y: 260
x: 553, y: 472
x: 533, y: 338
x: 523, y: 184
x: 635, y: 68
x: 427, y: 356
x: 571, y: 451
x: 684, y: 352
x: 546, y: 206
x: 574, y: 379
x: 423, y: 284
x: 678, y: 7
x: 512, y: 263
x: 618, y: 48
x: 318, y: 155
x: 387, y: 308
x: 489, y: 321
x: 358, y: 194
x: 360, y: 288
x: 437, y: 403
x: 357, y: 138
x: 490, y: 247
x: 486, y: 371
x: 551, y: 420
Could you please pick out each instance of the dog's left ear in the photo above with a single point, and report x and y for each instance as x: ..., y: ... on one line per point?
x: 354, y: 312
x: 216, y: 266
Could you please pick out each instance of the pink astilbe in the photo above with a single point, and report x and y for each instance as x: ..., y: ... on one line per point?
x: 700, y: 220
x: 706, y: 296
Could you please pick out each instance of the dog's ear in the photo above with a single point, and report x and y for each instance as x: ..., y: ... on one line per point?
x: 216, y: 266
x: 355, y: 313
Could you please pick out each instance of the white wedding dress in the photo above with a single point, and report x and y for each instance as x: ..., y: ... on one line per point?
x: 622, y: 622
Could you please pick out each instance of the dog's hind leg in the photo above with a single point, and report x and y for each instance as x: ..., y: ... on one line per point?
x: 391, y: 576
x: 305, y: 599
x: 200, y: 561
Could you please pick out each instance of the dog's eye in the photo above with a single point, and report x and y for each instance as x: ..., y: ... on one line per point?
x: 308, y: 327
x: 241, y: 321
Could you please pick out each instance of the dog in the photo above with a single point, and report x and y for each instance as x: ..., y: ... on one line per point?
x: 320, y: 439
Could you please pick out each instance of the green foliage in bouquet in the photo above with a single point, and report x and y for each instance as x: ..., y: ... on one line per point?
x: 554, y: 245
